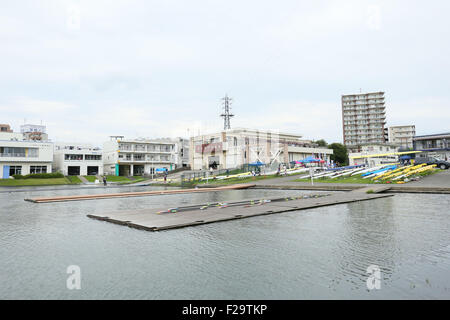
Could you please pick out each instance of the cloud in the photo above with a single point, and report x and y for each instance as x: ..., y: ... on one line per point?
x: 152, y: 68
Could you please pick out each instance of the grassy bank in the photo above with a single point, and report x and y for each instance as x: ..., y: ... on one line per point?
x: 34, y: 182
x: 73, y: 179
x: 90, y: 178
x: 353, y: 179
x: 238, y: 180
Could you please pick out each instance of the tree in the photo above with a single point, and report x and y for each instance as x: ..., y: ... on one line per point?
x: 321, y: 143
x: 340, y: 153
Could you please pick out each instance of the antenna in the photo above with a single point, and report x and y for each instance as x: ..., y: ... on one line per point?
x: 226, y: 115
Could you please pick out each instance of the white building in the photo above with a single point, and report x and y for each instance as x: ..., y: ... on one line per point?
x: 34, y: 132
x: 363, y: 118
x: 135, y: 157
x: 433, y: 145
x: 181, y: 152
x: 379, y: 151
x: 19, y: 156
x: 77, y: 159
x: 402, y: 135
x: 233, y: 148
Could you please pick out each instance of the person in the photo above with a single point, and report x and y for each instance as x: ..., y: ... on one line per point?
x: 165, y: 176
x: 104, y: 181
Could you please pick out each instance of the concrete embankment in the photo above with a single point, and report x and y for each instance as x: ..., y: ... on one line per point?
x: 343, y: 187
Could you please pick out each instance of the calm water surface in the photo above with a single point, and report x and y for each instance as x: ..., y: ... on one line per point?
x: 320, y: 253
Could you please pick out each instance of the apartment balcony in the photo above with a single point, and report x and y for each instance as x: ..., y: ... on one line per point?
x: 145, y: 151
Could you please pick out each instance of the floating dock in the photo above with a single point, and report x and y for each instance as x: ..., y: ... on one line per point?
x: 172, y: 218
x: 137, y: 194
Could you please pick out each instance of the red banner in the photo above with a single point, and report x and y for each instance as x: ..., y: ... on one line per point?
x: 209, y: 147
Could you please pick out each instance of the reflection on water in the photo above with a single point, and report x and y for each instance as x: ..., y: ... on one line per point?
x: 309, y: 254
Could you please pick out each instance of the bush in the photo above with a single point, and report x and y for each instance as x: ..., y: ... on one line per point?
x: 18, y: 176
x: 43, y: 175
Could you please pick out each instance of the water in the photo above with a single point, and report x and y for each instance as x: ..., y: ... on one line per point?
x: 320, y: 253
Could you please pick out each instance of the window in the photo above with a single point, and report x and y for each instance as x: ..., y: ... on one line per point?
x: 124, y: 146
x: 38, y: 169
x: 18, y: 152
x: 33, y: 152
x: 139, y: 147
x: 72, y: 157
x: 93, y: 157
x: 15, y: 170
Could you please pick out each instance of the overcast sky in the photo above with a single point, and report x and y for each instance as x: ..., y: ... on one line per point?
x: 91, y: 69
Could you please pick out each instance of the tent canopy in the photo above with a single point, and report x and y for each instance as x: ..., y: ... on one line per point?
x: 160, y: 169
x: 256, y: 164
x: 308, y: 160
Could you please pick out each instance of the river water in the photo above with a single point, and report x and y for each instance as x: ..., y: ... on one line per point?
x: 320, y: 253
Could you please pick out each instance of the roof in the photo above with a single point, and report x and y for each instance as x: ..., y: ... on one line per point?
x: 433, y: 136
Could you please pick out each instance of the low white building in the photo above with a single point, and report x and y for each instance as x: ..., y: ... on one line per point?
x: 77, y: 159
x: 19, y: 156
x: 374, y: 154
x: 135, y: 157
x: 229, y: 149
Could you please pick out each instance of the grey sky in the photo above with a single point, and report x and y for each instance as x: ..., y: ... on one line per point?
x: 159, y: 68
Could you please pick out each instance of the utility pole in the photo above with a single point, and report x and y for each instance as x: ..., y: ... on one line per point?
x: 226, y: 115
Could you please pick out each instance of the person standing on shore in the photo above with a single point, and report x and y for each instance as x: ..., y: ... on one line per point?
x: 104, y: 181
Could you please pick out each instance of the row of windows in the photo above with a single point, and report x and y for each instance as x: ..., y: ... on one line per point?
x: 143, y: 157
x: 72, y: 157
x: 19, y: 152
x: 145, y: 147
x: 33, y: 169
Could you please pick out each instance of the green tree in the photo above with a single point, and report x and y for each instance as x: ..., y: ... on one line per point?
x: 340, y: 153
x: 321, y: 143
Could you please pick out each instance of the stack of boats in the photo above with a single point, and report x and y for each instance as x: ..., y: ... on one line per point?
x: 384, y: 173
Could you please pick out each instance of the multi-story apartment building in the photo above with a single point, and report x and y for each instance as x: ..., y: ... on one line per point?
x: 433, y: 145
x: 77, y: 159
x: 402, y: 135
x: 126, y: 157
x: 363, y: 118
x: 19, y: 156
x: 233, y: 148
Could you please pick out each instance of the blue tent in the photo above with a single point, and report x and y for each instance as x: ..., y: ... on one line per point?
x: 160, y: 169
x: 256, y: 164
x: 309, y: 160
x: 405, y: 157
